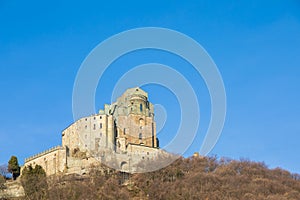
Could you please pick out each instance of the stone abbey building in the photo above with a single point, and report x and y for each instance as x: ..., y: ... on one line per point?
x: 121, y: 136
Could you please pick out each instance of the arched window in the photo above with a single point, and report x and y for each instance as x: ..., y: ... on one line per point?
x: 142, y: 122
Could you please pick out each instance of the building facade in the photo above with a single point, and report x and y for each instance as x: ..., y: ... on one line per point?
x: 122, y: 136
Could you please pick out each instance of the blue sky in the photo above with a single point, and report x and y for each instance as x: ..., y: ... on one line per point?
x: 255, y: 44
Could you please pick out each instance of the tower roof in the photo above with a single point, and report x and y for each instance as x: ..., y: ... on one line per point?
x: 135, y: 91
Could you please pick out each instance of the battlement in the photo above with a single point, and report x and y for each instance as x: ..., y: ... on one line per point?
x: 43, y: 153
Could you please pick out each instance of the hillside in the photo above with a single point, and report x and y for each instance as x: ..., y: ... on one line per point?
x: 187, y: 178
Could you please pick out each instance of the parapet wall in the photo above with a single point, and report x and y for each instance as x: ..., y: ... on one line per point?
x: 43, y: 153
x: 53, y: 160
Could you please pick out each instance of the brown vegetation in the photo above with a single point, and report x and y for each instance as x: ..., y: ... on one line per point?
x: 34, y: 182
x: 188, y: 178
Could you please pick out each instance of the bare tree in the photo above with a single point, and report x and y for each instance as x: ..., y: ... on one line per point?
x: 4, y: 170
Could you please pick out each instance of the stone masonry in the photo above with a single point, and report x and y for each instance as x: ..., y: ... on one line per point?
x: 122, y: 135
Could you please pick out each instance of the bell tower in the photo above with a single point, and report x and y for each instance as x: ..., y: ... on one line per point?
x: 134, y: 119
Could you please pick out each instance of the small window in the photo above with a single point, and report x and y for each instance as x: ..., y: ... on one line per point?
x: 94, y: 127
x: 141, y: 107
x: 85, y: 119
x: 140, y: 136
x: 100, y: 117
x: 85, y: 126
x: 100, y: 125
x: 94, y: 118
x: 124, y: 131
x: 100, y: 134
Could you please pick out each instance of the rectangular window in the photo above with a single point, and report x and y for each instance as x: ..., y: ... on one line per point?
x: 141, y: 107
x: 94, y: 127
x: 100, y: 125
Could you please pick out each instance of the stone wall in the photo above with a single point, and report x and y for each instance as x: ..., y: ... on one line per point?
x: 90, y: 134
x: 53, y: 160
x: 137, y: 129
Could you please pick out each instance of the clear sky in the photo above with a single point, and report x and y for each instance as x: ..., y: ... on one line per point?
x: 255, y: 44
